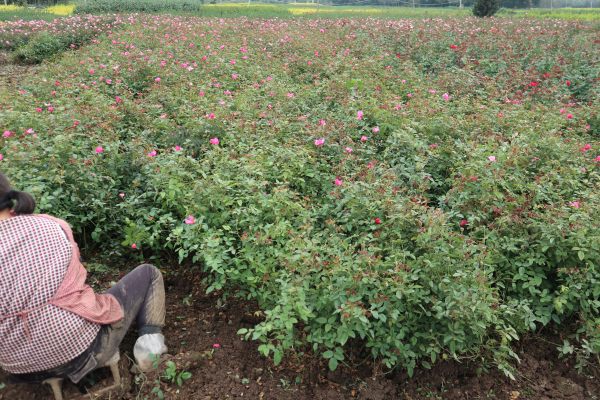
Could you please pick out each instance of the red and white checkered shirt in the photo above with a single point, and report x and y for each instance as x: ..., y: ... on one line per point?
x: 35, y: 335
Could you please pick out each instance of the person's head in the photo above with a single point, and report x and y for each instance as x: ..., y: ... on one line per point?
x: 19, y: 202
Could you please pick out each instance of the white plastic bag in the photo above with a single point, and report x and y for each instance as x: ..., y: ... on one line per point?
x: 147, y: 349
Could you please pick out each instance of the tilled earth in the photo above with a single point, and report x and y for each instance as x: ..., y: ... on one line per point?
x: 201, y: 334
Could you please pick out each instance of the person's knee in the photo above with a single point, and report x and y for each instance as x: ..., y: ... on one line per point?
x: 149, y: 269
x: 150, y: 272
x: 145, y: 267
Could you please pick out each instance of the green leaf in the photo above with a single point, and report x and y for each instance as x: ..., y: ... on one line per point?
x: 277, y: 356
x: 186, y: 375
x: 264, y: 350
x: 333, y: 363
x: 342, y: 335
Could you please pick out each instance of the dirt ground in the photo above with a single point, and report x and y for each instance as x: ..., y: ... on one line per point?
x: 201, y: 335
x: 11, y: 73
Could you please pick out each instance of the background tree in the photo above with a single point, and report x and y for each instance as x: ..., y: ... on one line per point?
x: 485, y: 8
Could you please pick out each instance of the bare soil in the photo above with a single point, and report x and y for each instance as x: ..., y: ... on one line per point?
x: 201, y: 335
x: 11, y: 73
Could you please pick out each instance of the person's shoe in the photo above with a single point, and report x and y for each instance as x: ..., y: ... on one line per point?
x: 147, y: 349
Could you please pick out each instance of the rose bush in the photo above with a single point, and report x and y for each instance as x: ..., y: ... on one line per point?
x: 416, y: 189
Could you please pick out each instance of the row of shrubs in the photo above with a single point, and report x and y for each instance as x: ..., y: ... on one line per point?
x: 31, y: 42
x: 44, y: 46
x: 138, y: 6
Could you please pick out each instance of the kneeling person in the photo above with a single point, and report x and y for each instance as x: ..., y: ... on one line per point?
x: 52, y: 324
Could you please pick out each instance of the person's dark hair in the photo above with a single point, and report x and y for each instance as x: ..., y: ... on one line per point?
x: 20, y: 202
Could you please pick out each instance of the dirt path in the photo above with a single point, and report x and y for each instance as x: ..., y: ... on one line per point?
x: 10, y: 73
x: 234, y: 369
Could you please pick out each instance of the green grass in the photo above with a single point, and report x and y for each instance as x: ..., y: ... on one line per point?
x: 310, y: 10
x: 195, y: 7
x: 26, y: 14
x: 261, y: 10
x: 584, y: 14
x: 316, y: 11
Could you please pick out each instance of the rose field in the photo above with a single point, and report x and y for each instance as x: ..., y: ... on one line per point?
x: 351, y: 204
